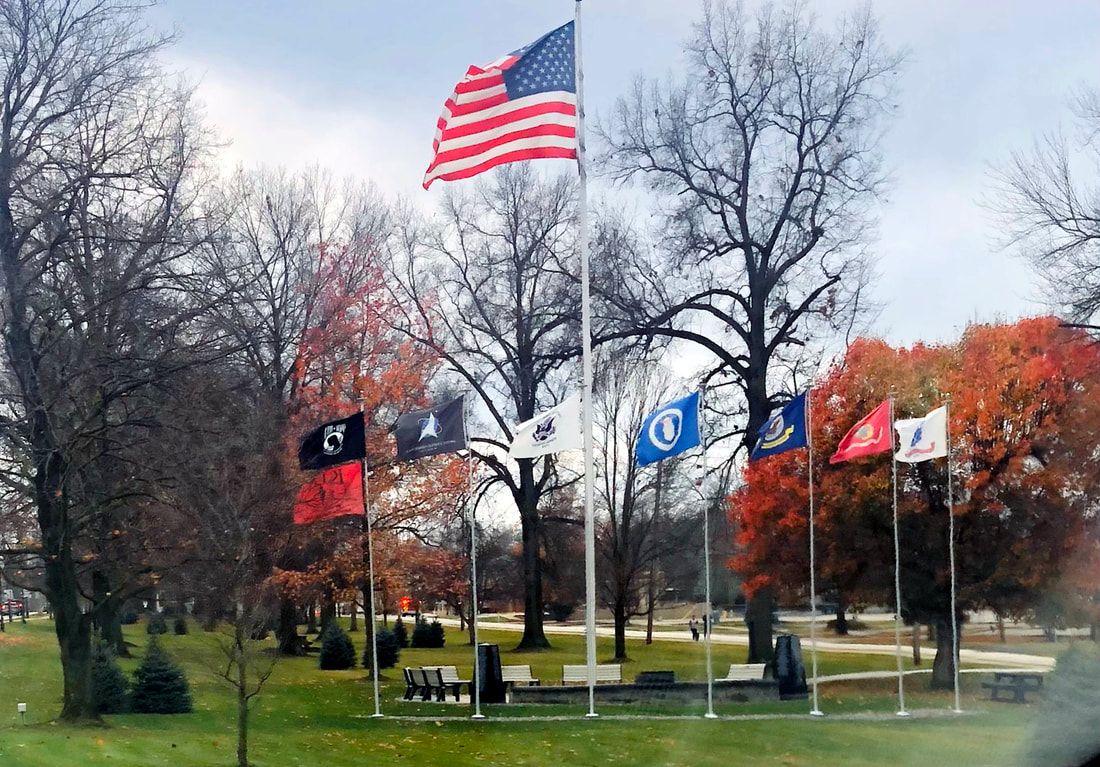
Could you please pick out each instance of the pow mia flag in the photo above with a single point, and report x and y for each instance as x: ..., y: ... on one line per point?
x: 439, y: 429
x: 333, y: 443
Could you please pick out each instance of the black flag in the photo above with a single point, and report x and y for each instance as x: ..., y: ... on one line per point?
x: 334, y: 443
x: 439, y: 429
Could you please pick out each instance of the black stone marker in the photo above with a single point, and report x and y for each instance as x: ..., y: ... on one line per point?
x: 789, y: 670
x: 492, y: 679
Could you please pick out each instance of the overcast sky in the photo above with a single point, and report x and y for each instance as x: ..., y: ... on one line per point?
x: 356, y: 86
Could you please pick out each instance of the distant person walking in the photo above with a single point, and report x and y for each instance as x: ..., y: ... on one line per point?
x: 706, y: 625
x: 694, y: 626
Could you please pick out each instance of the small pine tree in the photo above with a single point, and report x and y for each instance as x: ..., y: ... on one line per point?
x: 110, y: 687
x: 156, y: 624
x: 389, y: 649
x: 436, y: 636
x: 420, y: 633
x: 400, y: 632
x: 159, y: 684
x: 428, y: 635
x: 337, y: 651
x: 179, y: 625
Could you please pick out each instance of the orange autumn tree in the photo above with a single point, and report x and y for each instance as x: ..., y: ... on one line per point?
x: 349, y: 361
x: 1024, y: 423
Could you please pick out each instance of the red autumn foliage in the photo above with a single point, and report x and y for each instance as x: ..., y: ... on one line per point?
x: 1025, y: 422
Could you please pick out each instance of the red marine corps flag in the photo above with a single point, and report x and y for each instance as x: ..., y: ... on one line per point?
x: 871, y: 435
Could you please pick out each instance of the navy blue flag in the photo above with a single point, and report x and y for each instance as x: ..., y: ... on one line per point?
x: 669, y: 430
x: 786, y: 430
x: 439, y: 429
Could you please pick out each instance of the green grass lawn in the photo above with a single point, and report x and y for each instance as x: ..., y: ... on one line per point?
x: 310, y: 717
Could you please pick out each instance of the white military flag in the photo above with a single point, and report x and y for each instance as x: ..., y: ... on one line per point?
x: 922, y: 439
x: 559, y: 428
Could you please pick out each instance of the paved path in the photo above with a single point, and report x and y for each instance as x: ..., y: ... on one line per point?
x: 1014, y: 661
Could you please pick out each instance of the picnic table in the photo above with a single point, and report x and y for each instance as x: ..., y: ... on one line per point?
x: 1018, y: 683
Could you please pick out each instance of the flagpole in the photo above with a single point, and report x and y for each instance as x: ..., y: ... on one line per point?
x: 815, y: 711
x: 472, y: 515
x: 897, y: 569
x: 708, y: 618
x: 951, y: 556
x: 370, y: 570
x: 586, y: 355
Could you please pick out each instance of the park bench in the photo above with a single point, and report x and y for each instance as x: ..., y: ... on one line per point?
x: 513, y: 675
x: 449, y: 680
x: 655, y: 678
x: 412, y: 685
x: 1017, y: 683
x: 427, y: 681
x: 578, y: 674
x: 740, y: 672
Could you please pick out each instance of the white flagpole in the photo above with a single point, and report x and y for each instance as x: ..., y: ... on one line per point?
x: 586, y: 353
x: 951, y: 556
x: 370, y: 574
x: 472, y: 516
x: 897, y: 569
x: 815, y: 711
x: 708, y: 617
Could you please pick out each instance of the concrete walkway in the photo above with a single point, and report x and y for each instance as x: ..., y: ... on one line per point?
x: 1010, y: 660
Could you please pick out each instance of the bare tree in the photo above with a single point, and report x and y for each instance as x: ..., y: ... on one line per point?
x: 232, y: 488
x: 490, y: 291
x: 1050, y: 200
x: 282, y: 239
x: 631, y: 536
x: 99, y: 226
x: 764, y: 161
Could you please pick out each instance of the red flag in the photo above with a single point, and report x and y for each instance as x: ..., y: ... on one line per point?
x: 871, y: 435
x: 334, y: 492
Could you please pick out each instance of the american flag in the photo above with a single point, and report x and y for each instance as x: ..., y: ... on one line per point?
x: 521, y: 107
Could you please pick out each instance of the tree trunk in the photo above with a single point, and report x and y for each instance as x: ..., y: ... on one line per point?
x: 619, y: 615
x: 242, y: 697
x: 758, y: 618
x: 916, y: 644
x: 328, y: 611
x: 353, y: 621
x: 106, y: 621
x: 841, y: 616
x: 74, y: 635
x: 943, y: 666
x: 651, y: 596
x: 534, y: 637
x: 286, y: 631
x: 311, y: 618
x: 1001, y: 628
x: 468, y: 619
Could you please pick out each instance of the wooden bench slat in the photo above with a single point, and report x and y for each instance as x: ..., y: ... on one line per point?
x: 578, y: 673
x: 744, y: 671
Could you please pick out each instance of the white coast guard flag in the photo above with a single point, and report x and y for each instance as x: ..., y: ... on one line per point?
x: 922, y: 439
x: 559, y: 428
